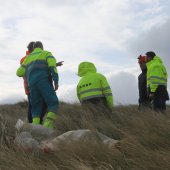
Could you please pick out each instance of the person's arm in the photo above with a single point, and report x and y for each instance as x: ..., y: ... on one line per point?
x: 21, y: 71
x: 51, y: 61
x: 107, y: 92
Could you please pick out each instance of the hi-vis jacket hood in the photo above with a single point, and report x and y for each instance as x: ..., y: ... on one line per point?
x: 92, y: 84
x: 86, y: 67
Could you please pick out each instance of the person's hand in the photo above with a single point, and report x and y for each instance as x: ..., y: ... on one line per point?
x: 55, y: 87
x: 151, y: 96
x: 59, y: 63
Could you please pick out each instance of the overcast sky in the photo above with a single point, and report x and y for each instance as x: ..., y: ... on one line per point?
x: 110, y: 33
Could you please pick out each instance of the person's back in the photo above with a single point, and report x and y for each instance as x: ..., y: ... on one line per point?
x: 93, y: 87
x: 157, y: 81
x: 37, y: 67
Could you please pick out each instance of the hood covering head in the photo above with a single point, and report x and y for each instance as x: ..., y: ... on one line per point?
x: 86, y: 67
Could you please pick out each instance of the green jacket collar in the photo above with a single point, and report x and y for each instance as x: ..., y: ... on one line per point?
x: 37, y: 50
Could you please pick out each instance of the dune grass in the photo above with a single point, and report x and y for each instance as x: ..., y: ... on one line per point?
x: 144, y: 140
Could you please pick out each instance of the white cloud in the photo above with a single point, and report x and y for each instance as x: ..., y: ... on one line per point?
x: 68, y: 93
x: 124, y: 88
x: 157, y: 39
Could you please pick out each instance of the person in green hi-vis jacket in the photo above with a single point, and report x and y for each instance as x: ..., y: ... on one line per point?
x: 93, y: 87
x: 37, y: 67
x: 157, y: 77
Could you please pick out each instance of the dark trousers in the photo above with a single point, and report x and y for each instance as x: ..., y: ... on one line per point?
x: 160, y: 97
x: 159, y: 104
x: 44, y: 111
x: 144, y: 105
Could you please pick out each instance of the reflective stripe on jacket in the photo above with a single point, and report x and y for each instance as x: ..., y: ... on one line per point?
x: 39, y: 64
x: 92, y: 84
x: 156, y: 74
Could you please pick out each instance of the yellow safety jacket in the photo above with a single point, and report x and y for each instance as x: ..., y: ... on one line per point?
x: 93, y: 84
x: 38, y: 65
x: 156, y: 74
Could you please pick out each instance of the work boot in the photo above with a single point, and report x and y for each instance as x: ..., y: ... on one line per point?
x: 36, y: 120
x: 50, y: 119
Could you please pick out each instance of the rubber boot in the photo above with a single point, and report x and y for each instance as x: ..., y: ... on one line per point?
x: 36, y: 120
x: 50, y: 119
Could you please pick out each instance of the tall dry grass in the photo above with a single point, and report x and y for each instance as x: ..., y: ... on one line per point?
x: 144, y: 140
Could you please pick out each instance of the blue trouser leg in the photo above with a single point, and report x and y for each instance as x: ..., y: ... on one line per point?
x: 44, y: 110
x: 36, y: 101
x: 43, y: 91
x: 49, y: 95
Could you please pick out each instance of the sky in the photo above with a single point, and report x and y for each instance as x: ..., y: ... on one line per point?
x: 109, y: 33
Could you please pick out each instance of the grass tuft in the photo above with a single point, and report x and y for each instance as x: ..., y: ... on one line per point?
x: 144, y: 140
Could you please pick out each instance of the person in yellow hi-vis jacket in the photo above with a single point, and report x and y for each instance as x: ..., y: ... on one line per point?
x: 156, y: 81
x: 93, y: 87
x: 37, y: 68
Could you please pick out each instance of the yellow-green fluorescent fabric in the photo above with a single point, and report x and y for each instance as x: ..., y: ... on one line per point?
x: 39, y: 64
x: 93, y: 84
x: 156, y: 74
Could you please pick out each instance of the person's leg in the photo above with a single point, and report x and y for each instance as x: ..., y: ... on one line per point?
x: 29, y: 110
x: 36, y: 103
x: 159, y: 104
x: 49, y: 95
x: 143, y: 106
x: 44, y: 111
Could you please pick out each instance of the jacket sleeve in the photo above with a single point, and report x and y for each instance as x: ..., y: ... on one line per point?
x: 107, y: 92
x: 51, y: 61
x: 21, y: 71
